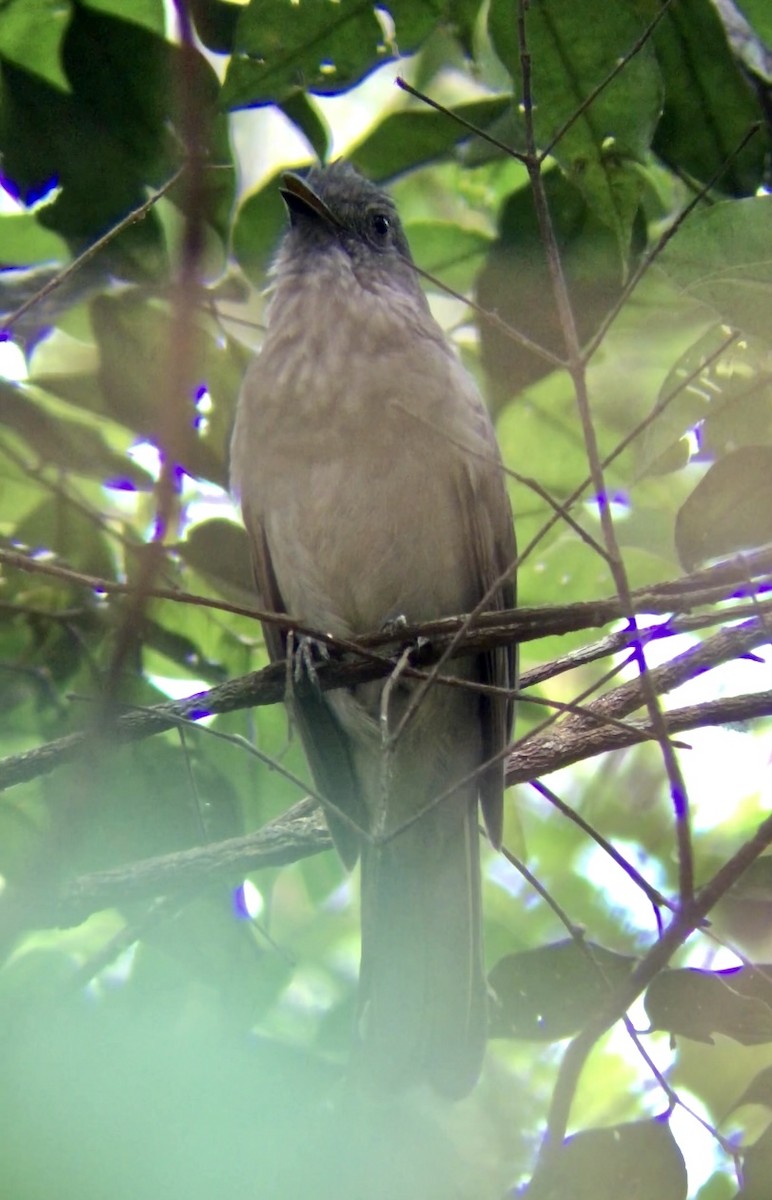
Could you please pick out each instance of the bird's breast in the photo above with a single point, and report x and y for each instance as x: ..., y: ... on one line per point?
x: 367, y: 534
x: 350, y: 448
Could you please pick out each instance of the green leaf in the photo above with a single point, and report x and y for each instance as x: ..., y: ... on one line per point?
x: 219, y: 550
x: 709, y: 103
x: 418, y: 135
x: 742, y: 415
x: 414, y: 20
x: 54, y: 439
x: 662, y: 446
x: 448, y: 251
x: 280, y: 46
x: 108, y: 140
x: 182, y: 657
x: 569, y: 61
x: 147, y: 13
x: 304, y: 114
x: 726, y: 403
x: 759, y: 15
x: 757, y: 1169
x: 516, y: 282
x: 215, y: 22
x: 99, y: 152
x: 23, y: 241
x: 463, y: 16
x: 551, y: 992
x: 639, y: 1159
x: 61, y: 527
x: 31, y: 33
x: 697, y: 1004
x: 729, y: 510
x: 260, y: 222
x: 721, y: 258
x: 758, y: 1091
x: 135, y: 339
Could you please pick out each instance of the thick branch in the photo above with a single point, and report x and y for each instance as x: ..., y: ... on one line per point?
x: 302, y: 831
x: 490, y: 630
x: 560, y: 748
x: 298, y: 833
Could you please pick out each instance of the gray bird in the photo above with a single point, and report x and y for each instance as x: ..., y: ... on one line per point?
x: 371, y: 488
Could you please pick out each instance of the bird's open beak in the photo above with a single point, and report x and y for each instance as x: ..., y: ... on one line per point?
x: 302, y: 200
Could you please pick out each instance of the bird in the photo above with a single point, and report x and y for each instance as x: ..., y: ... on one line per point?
x: 372, y: 491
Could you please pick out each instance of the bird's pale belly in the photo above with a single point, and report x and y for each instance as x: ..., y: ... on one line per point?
x: 350, y: 553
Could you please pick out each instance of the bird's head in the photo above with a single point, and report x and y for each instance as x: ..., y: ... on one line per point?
x: 335, y: 210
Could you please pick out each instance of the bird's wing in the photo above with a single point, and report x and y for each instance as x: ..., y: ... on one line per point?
x: 324, y: 741
x: 491, y: 537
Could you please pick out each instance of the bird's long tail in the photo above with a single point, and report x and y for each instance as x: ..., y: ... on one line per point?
x: 422, y: 1013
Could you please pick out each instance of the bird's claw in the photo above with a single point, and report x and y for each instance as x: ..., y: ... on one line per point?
x: 306, y: 655
x: 394, y: 625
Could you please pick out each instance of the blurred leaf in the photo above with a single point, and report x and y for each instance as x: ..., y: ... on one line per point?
x: 23, y: 240
x: 260, y: 221
x: 720, y: 1186
x: 135, y: 802
x: 207, y: 943
x: 552, y: 992
x: 516, y: 282
x: 148, y: 13
x: 414, y: 21
x: 279, y: 47
x: 709, y: 104
x: 721, y: 257
x: 743, y: 416
x: 31, y: 33
x: 639, y: 1161
x: 66, y: 443
x: 20, y: 839
x: 449, y: 251
x: 697, y: 1004
x: 569, y: 61
x: 61, y: 527
x: 134, y: 336
x: 730, y: 509
x: 303, y: 113
x: 219, y: 550
x: 181, y: 651
x: 728, y: 401
x: 104, y: 143
x: 463, y: 16
x: 759, y: 15
x: 758, y: 1091
x: 757, y: 1169
x: 414, y: 136
x: 215, y: 22
x: 755, y: 883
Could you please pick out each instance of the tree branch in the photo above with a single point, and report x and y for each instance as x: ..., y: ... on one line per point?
x: 490, y: 630
x: 302, y: 831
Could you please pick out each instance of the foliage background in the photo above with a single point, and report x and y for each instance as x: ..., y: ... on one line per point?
x: 155, y: 1039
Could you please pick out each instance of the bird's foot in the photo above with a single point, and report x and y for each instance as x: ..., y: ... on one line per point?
x: 394, y: 626
x: 305, y: 656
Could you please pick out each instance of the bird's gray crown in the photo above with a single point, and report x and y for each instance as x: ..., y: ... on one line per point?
x: 336, y: 206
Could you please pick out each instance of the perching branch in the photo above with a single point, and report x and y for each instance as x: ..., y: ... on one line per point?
x: 491, y: 630
x: 302, y: 831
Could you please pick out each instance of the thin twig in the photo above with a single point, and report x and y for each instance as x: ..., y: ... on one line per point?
x: 136, y: 214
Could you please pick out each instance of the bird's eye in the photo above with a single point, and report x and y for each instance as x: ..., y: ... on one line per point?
x: 380, y: 225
